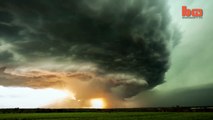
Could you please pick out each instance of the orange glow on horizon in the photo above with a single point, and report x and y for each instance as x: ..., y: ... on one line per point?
x: 97, y: 103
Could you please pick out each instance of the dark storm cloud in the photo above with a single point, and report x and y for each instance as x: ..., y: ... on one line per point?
x: 6, y: 56
x: 6, y: 28
x: 5, y: 16
x: 120, y: 36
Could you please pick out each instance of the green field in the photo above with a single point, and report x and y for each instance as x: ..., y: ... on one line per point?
x: 111, y: 116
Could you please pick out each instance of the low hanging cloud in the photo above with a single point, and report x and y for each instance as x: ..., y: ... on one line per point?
x: 120, y: 46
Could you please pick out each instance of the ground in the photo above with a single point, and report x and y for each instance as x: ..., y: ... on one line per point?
x: 111, y: 116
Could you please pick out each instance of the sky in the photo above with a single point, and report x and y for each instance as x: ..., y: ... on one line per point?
x: 125, y: 53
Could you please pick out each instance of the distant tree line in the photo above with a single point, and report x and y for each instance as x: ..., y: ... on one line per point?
x: 151, y: 109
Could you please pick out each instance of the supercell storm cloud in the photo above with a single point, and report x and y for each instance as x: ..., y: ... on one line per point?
x: 93, y: 47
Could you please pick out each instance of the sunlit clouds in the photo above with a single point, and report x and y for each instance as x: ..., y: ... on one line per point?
x: 80, y: 87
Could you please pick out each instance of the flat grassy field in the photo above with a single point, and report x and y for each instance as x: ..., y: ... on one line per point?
x: 111, y: 116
